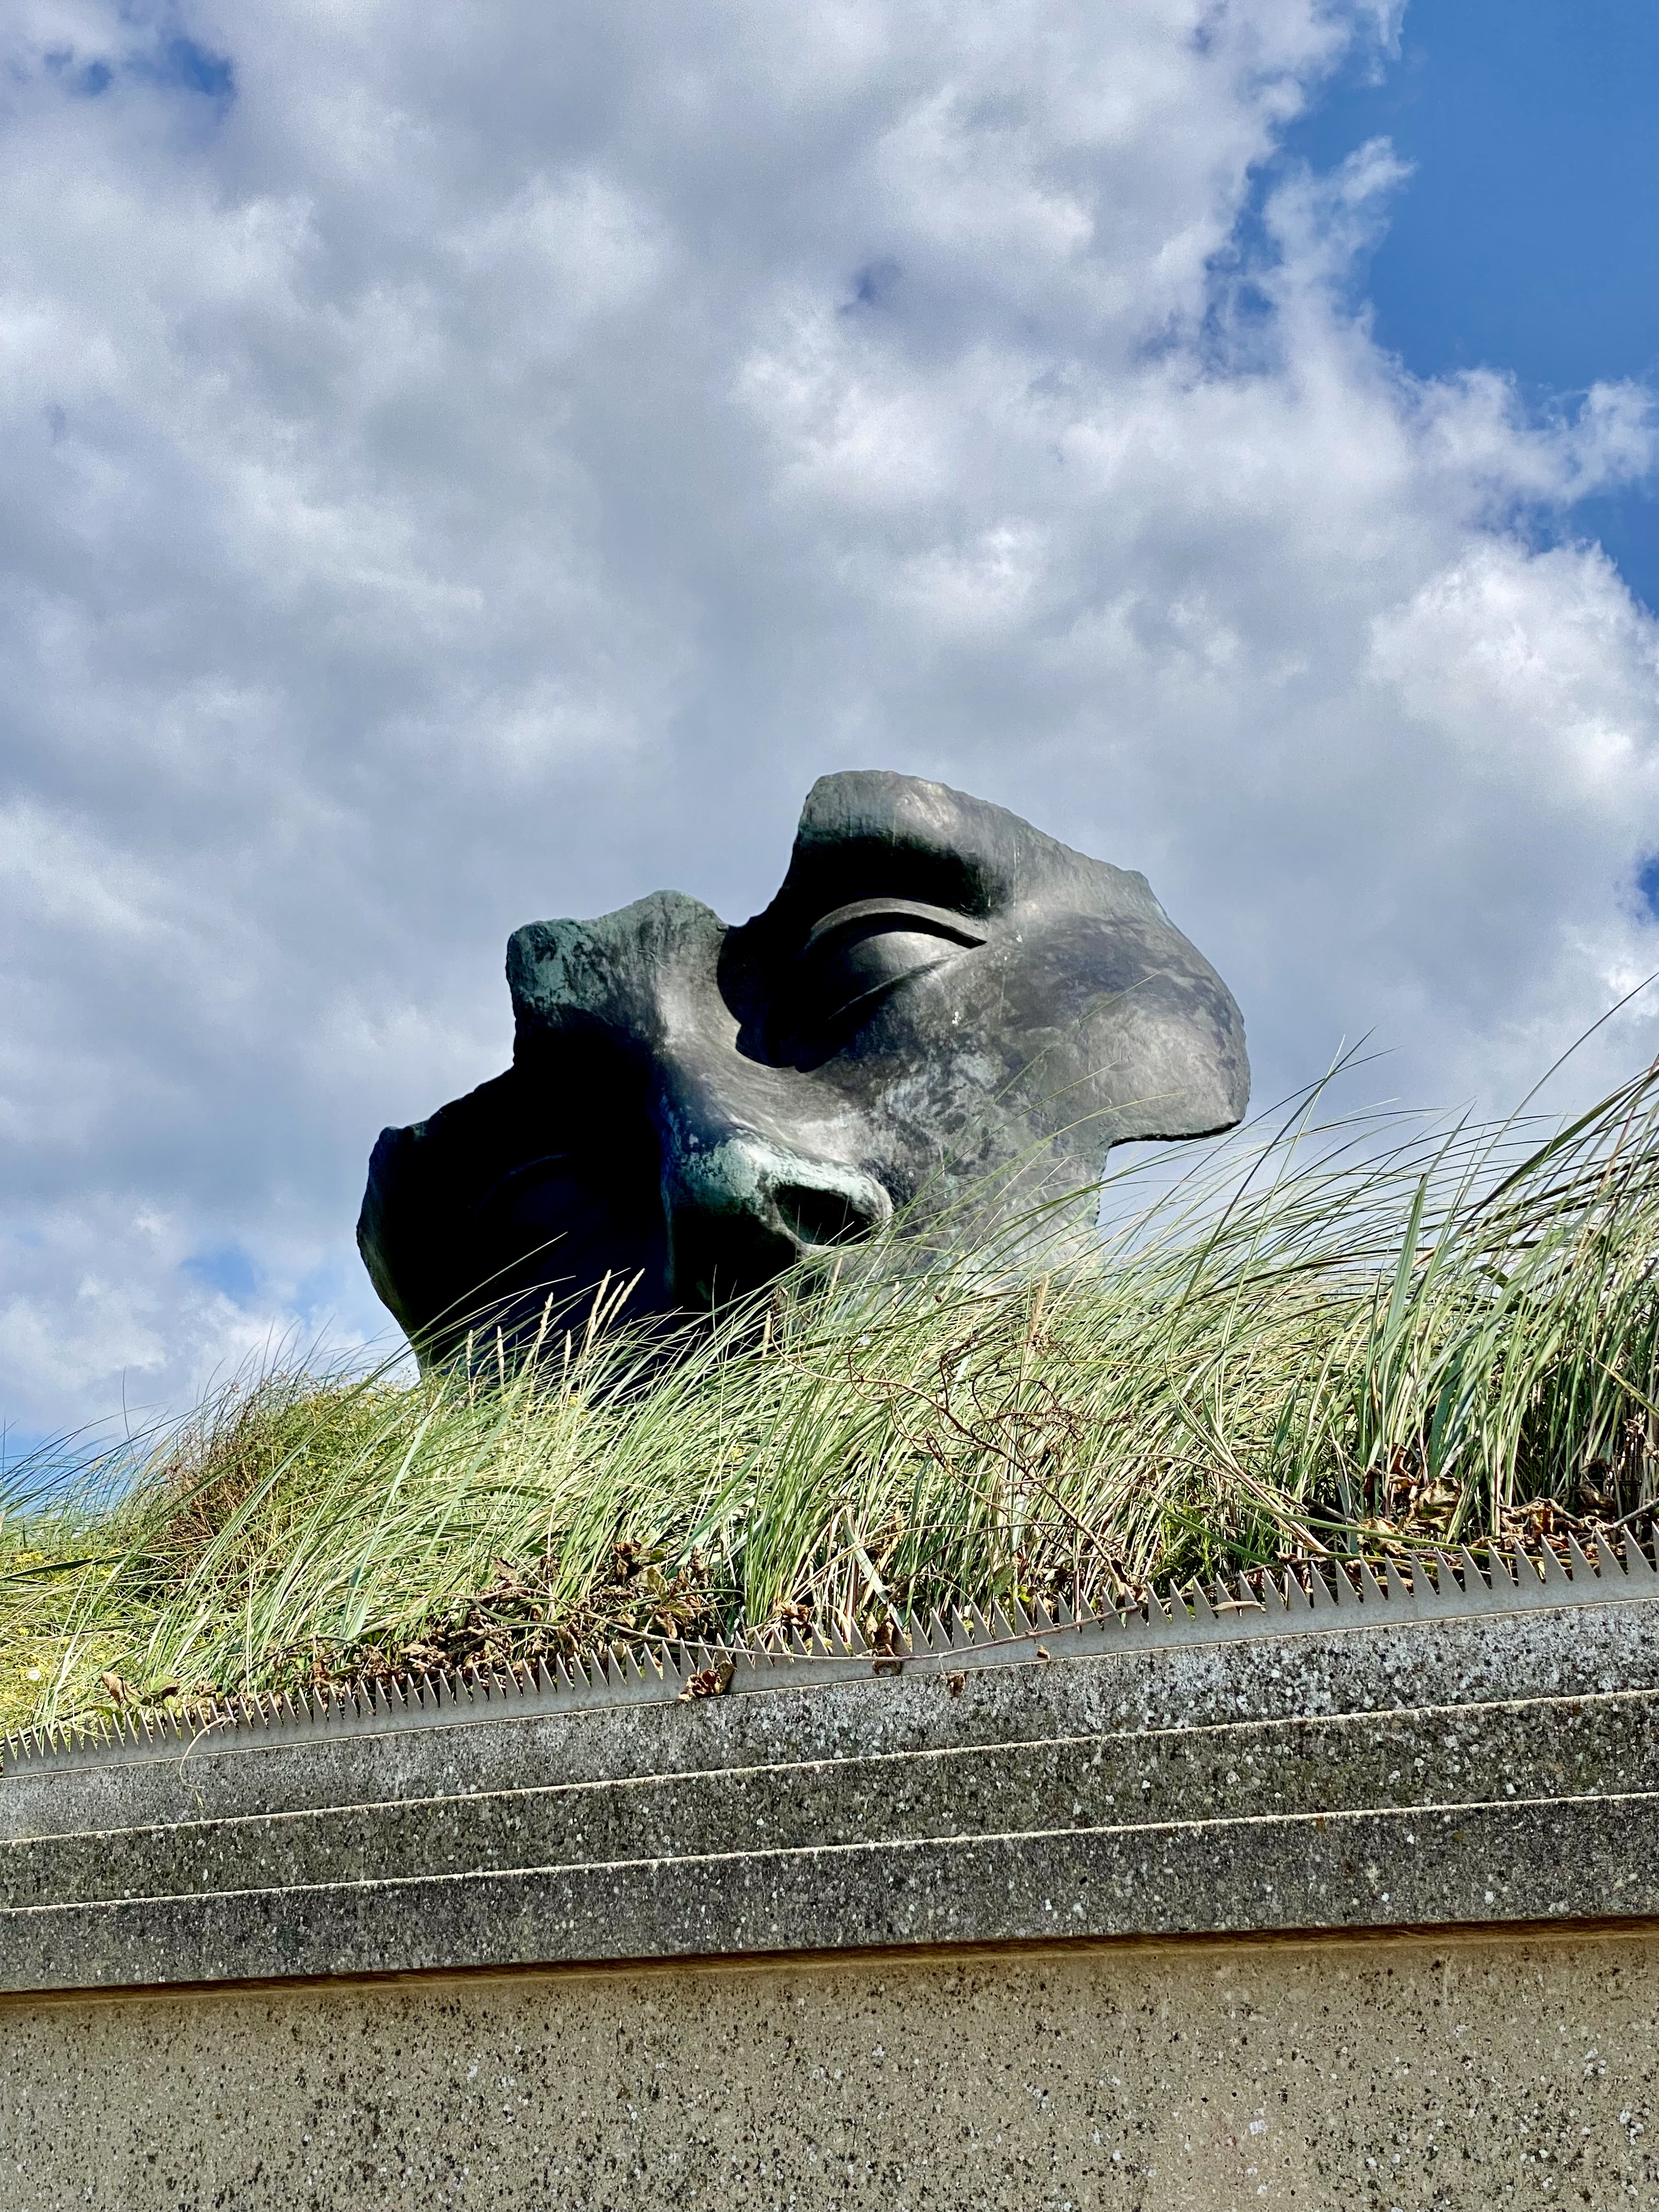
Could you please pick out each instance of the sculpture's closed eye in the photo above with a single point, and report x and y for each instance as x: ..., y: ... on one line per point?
x: 857, y: 953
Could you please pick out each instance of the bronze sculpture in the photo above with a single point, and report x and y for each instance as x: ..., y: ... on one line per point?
x: 939, y: 998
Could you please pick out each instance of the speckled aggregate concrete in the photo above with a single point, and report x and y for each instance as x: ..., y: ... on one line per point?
x: 797, y: 1947
x: 1194, y: 2077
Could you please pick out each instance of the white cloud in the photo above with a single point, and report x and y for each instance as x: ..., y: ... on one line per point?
x: 468, y: 466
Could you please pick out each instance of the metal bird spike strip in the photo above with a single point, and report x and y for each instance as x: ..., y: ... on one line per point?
x: 1313, y: 1597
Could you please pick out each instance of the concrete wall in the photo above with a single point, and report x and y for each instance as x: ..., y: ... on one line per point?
x: 1200, y: 2076
x: 1368, y: 1917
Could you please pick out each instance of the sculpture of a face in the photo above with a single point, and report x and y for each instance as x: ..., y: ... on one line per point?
x: 940, y: 1000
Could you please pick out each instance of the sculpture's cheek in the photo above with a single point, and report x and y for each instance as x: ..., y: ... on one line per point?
x: 1059, y: 1036
x: 951, y: 1032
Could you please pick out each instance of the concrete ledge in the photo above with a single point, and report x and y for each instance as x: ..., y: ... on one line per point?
x: 1421, y: 1774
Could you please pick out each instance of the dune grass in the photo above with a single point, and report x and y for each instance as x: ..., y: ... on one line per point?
x: 1326, y: 1336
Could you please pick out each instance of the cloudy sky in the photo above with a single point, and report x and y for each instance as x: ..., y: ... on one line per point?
x: 462, y: 465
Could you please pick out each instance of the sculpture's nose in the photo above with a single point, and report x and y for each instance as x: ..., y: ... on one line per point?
x: 742, y: 1206
x: 754, y: 1171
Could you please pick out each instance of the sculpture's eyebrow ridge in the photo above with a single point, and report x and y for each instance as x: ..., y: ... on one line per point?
x: 844, y: 870
x: 949, y: 861
x: 879, y: 837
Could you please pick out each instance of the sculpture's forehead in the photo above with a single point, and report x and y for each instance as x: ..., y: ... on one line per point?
x: 866, y: 834
x: 869, y: 832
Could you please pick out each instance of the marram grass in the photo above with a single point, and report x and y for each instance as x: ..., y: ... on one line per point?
x: 1324, y: 1338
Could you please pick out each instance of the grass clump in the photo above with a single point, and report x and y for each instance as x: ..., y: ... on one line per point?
x: 1325, y: 1338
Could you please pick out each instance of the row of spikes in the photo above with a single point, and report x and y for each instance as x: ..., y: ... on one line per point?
x: 661, y: 1667
x: 1428, y: 1583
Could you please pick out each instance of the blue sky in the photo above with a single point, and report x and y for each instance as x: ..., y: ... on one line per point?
x: 456, y: 469
x: 1528, y: 236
